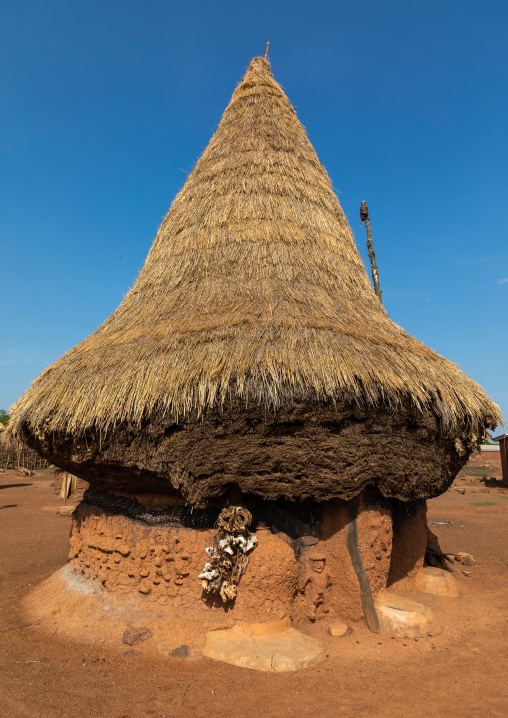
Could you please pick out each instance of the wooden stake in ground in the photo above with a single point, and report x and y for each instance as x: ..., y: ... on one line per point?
x: 364, y: 217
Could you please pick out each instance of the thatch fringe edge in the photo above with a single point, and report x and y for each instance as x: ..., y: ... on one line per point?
x: 457, y: 416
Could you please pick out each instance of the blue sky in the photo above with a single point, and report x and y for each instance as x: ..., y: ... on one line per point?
x: 107, y: 105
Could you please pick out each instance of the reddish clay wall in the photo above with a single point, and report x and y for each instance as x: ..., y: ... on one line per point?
x: 409, y: 543
x: 160, y: 565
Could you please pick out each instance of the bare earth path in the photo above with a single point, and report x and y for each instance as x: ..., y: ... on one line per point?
x: 462, y: 672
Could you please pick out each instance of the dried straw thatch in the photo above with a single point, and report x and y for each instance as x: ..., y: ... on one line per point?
x: 253, y: 292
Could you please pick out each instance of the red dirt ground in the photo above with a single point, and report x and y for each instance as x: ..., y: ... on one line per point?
x: 462, y: 672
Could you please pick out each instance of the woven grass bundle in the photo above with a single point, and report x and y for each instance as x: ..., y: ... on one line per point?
x: 253, y: 294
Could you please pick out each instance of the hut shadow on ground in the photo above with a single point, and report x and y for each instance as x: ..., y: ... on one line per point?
x: 12, y: 486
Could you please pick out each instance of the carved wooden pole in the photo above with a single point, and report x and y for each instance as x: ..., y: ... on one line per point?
x: 369, y: 609
x: 364, y: 217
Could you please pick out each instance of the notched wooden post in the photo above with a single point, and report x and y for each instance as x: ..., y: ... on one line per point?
x: 364, y: 217
x: 369, y: 610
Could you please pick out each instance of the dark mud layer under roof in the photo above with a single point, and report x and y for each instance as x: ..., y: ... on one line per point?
x: 303, y: 451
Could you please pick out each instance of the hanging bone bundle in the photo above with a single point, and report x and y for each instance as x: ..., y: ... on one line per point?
x: 228, y: 558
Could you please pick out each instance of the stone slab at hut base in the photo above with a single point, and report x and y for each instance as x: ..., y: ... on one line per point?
x: 403, y: 618
x: 287, y: 650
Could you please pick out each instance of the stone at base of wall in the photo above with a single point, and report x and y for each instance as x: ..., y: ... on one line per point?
x: 403, y: 618
x: 289, y: 650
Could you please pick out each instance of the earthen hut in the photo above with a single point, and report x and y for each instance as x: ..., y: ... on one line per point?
x: 252, y: 364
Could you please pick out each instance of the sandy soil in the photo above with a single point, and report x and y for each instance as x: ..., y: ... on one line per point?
x: 461, y: 672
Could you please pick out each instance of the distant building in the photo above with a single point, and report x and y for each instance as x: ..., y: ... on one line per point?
x: 503, y: 449
x: 488, y: 448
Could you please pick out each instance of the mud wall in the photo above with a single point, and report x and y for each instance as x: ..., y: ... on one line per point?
x: 161, y: 565
x: 409, y: 543
x: 316, y: 582
x: 328, y: 585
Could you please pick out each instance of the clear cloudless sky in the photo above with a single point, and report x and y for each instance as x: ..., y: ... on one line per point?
x: 106, y: 105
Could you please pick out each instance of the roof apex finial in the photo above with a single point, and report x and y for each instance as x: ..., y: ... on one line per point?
x: 266, y: 52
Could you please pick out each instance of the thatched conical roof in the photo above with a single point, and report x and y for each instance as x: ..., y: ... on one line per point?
x: 253, y: 287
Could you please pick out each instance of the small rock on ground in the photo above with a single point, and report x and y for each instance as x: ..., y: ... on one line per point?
x: 180, y: 652
x: 339, y: 629
x: 134, y: 635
